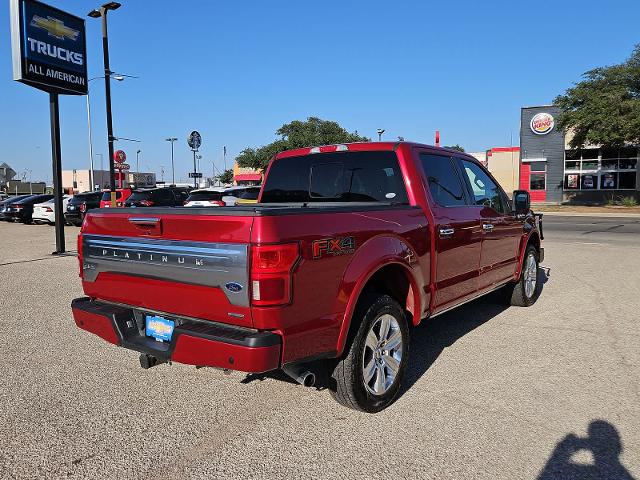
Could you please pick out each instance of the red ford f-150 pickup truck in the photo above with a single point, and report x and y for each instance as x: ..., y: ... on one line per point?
x: 349, y: 247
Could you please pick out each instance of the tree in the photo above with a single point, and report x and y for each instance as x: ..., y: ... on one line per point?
x: 455, y: 147
x: 297, y: 134
x: 225, y: 177
x: 604, y: 108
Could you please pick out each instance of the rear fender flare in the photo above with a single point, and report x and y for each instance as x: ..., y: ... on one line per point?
x: 372, y: 256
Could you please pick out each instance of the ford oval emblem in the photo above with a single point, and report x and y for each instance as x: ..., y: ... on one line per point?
x: 233, y: 287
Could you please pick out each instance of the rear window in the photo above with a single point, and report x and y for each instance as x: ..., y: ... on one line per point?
x: 336, y: 177
x: 204, y: 196
x: 106, y: 196
x: 138, y: 195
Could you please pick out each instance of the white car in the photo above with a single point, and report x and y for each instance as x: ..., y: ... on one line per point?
x: 45, y: 212
x: 214, y: 197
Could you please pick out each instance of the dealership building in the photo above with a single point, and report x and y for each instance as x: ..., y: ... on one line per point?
x: 554, y: 172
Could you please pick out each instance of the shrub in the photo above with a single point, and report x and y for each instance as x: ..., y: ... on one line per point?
x: 629, y: 201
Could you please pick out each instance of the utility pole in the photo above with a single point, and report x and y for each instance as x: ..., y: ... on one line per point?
x: 173, y: 169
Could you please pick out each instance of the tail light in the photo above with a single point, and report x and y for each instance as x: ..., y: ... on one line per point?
x: 146, y: 203
x: 18, y: 207
x: 48, y: 209
x: 107, y: 205
x: 271, y: 273
x: 83, y: 207
x: 218, y: 203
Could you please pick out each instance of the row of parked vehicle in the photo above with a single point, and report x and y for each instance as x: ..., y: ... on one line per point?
x: 40, y: 209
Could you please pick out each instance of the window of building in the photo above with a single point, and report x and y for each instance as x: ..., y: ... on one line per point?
x: 627, y: 180
x: 485, y: 191
x: 589, y: 182
x: 538, y: 166
x: 572, y: 165
x: 609, y: 181
x: 444, y: 183
x: 537, y: 181
x: 610, y: 169
x: 572, y: 181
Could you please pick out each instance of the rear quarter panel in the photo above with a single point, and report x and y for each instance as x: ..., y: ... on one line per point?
x: 325, y: 288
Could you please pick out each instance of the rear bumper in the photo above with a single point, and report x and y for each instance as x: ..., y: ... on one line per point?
x: 201, y: 343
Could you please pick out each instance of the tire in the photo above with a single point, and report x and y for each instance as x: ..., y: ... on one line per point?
x: 523, y: 293
x: 386, y: 368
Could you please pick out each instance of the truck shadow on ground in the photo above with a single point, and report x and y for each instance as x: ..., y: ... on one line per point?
x: 596, y: 456
x: 434, y: 335
x: 428, y: 340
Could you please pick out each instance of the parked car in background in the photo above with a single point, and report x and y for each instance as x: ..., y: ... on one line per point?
x: 46, y: 212
x: 157, y: 197
x: 248, y: 196
x: 4, y: 205
x: 22, y: 210
x: 79, y: 205
x: 216, y: 196
x: 121, y: 196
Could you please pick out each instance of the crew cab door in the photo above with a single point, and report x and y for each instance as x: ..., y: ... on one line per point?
x: 501, y: 230
x: 457, y: 231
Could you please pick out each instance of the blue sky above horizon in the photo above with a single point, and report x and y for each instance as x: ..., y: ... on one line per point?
x: 236, y: 71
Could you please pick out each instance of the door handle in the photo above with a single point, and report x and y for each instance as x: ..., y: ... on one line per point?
x: 487, y: 227
x: 446, y: 232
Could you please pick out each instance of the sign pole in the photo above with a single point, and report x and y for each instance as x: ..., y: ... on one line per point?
x: 195, y: 171
x: 54, y: 113
x: 107, y: 96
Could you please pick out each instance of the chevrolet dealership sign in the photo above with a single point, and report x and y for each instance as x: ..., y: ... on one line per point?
x: 49, y: 48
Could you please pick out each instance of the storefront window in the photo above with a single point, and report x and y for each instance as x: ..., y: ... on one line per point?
x: 589, y: 182
x: 572, y: 165
x: 537, y: 181
x: 572, y: 154
x: 590, y: 153
x: 609, y: 164
x: 590, y: 165
x: 571, y: 181
x: 628, y: 163
x: 609, y: 181
x: 627, y: 180
x: 628, y: 152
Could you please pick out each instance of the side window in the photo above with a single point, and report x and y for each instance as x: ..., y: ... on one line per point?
x: 165, y: 196
x: 444, y: 183
x: 485, y: 191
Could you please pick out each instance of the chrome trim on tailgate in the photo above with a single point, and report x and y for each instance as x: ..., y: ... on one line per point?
x: 200, y: 263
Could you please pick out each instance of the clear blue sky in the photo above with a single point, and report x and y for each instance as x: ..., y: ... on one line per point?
x: 236, y: 71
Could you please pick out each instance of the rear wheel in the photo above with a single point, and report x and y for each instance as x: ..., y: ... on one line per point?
x: 525, y: 291
x: 369, y: 376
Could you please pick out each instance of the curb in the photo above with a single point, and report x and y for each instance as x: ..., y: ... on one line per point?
x: 595, y: 214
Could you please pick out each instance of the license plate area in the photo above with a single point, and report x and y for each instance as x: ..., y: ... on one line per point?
x: 159, y: 328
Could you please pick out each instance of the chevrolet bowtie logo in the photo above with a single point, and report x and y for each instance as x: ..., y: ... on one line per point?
x: 54, y: 27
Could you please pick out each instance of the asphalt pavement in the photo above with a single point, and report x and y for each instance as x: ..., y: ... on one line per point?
x: 551, y: 391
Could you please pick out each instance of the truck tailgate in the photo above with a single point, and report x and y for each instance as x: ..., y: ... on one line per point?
x: 175, y: 261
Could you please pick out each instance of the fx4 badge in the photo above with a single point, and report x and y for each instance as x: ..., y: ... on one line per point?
x: 333, y: 247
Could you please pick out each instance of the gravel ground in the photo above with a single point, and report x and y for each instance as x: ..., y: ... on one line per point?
x: 550, y: 391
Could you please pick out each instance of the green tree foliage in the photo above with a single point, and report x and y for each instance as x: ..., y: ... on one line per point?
x: 225, y: 177
x: 297, y: 134
x: 604, y: 108
x: 455, y: 147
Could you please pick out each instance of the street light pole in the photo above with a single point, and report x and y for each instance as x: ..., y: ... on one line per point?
x: 102, y: 12
x: 137, y: 167
x: 173, y: 170
x: 380, y: 132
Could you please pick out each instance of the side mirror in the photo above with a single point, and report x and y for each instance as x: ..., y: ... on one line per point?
x: 521, y: 201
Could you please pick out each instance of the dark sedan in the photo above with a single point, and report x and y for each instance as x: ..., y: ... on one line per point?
x: 4, y: 205
x: 22, y: 210
x: 79, y: 205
